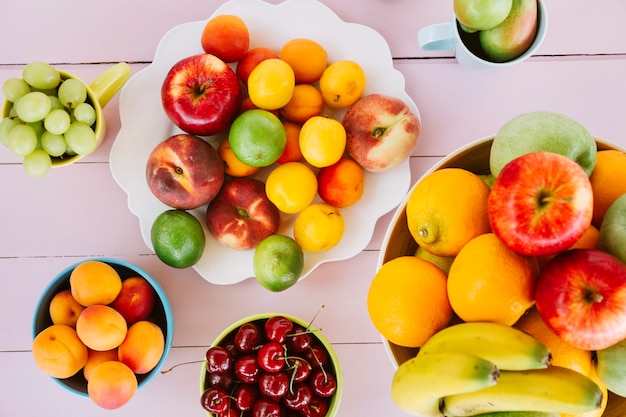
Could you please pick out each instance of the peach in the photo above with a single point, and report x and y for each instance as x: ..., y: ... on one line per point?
x: 342, y: 183
x: 143, y: 347
x: 64, y: 309
x: 226, y: 36
x: 95, y: 282
x: 101, y: 327
x: 95, y: 358
x: 135, y: 300
x: 58, y: 351
x: 111, y: 385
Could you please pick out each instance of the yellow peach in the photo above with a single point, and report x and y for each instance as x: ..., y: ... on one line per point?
x: 111, y: 385
x: 143, y: 347
x: 101, y: 327
x: 95, y: 282
x: 64, y: 309
x: 95, y: 358
x: 58, y: 351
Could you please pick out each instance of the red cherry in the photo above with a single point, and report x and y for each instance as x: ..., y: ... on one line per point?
x: 247, y: 369
x: 219, y: 360
x: 277, y: 327
x: 274, y: 385
x: 245, y: 395
x: 299, y: 339
x: 317, y: 407
x: 225, y: 381
x: 300, y: 369
x: 316, y: 355
x: 248, y: 337
x: 271, y: 357
x: 298, y: 397
x: 215, y: 400
x: 323, y: 383
x: 264, y: 407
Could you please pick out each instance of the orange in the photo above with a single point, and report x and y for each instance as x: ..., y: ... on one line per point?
x: 271, y: 84
x: 407, y: 301
x: 589, y: 240
x: 307, y: 58
x: 318, y: 227
x: 563, y: 354
x: 292, y: 151
x: 291, y: 187
x: 490, y: 282
x: 342, y: 183
x: 446, y: 209
x: 233, y: 166
x: 95, y: 282
x: 342, y: 84
x: 322, y: 141
x: 226, y: 36
x: 607, y: 182
x: 306, y: 102
x: 593, y: 375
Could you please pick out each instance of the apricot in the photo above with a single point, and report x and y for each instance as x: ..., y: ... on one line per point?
x: 101, y: 327
x: 64, y: 309
x: 95, y: 358
x: 95, y: 282
x: 58, y: 351
x: 143, y: 347
x: 226, y: 36
x: 111, y: 385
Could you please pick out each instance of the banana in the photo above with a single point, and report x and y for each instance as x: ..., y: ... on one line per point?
x: 419, y: 383
x: 508, y: 347
x: 519, y: 414
x: 551, y: 390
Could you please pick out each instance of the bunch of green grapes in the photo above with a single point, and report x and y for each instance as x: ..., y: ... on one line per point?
x: 50, y: 117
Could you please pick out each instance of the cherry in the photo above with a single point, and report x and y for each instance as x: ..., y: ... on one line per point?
x: 274, y: 385
x: 298, y: 397
x: 271, y: 357
x: 264, y: 407
x: 245, y: 395
x: 323, y: 383
x: 231, y: 412
x: 317, y: 407
x: 300, y: 368
x: 299, y: 339
x: 247, y: 369
x: 219, y: 360
x: 215, y: 400
x: 316, y: 355
x: 248, y: 337
x: 225, y: 381
x: 277, y: 327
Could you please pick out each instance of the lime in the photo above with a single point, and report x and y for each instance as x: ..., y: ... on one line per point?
x: 177, y: 238
x: 278, y: 262
x: 257, y: 138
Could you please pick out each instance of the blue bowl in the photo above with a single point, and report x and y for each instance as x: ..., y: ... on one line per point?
x: 161, y: 315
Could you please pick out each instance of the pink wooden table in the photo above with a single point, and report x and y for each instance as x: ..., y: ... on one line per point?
x: 80, y: 212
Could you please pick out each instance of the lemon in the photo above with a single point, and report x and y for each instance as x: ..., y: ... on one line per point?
x: 177, y: 238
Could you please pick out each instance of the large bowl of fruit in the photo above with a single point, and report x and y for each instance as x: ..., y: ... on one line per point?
x: 562, y: 290
x: 102, y: 329
x: 271, y: 364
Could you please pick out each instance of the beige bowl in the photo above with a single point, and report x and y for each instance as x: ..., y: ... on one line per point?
x: 399, y: 242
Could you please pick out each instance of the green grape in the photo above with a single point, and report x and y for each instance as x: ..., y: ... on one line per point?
x: 38, y: 126
x: 53, y: 144
x: 85, y: 113
x: 80, y: 138
x: 41, y: 75
x: 55, y: 103
x: 33, y: 107
x: 6, y: 125
x: 22, y: 140
x: 37, y: 163
x: 72, y: 92
x: 14, y: 88
x: 57, y: 121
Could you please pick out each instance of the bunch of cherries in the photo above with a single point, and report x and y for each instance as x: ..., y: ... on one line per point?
x: 269, y: 368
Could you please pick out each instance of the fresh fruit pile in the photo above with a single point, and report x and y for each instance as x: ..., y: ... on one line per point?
x: 535, y: 243
x: 50, y: 117
x: 102, y: 327
x: 269, y: 367
x: 279, y: 157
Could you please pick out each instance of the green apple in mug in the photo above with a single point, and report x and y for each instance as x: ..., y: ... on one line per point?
x: 612, y: 237
x: 543, y: 131
x: 514, y: 35
x: 475, y: 15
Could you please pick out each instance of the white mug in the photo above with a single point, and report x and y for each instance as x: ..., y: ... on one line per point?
x: 447, y: 37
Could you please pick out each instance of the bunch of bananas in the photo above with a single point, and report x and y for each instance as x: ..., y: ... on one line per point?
x: 489, y: 369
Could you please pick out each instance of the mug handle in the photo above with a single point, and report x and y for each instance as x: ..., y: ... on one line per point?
x: 437, y: 37
x: 109, y: 82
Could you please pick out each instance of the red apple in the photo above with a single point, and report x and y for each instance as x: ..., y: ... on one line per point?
x: 201, y: 94
x: 241, y: 215
x: 135, y: 300
x: 581, y: 296
x: 540, y: 203
x: 184, y: 172
x: 381, y: 132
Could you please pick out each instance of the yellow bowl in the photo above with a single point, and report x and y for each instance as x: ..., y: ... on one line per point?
x: 399, y: 242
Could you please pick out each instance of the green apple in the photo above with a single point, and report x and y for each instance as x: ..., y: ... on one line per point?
x: 611, y: 367
x: 543, y: 131
x: 514, y: 35
x: 474, y: 15
x: 612, y: 237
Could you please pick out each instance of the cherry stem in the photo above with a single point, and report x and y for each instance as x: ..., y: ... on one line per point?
x: 179, y: 364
